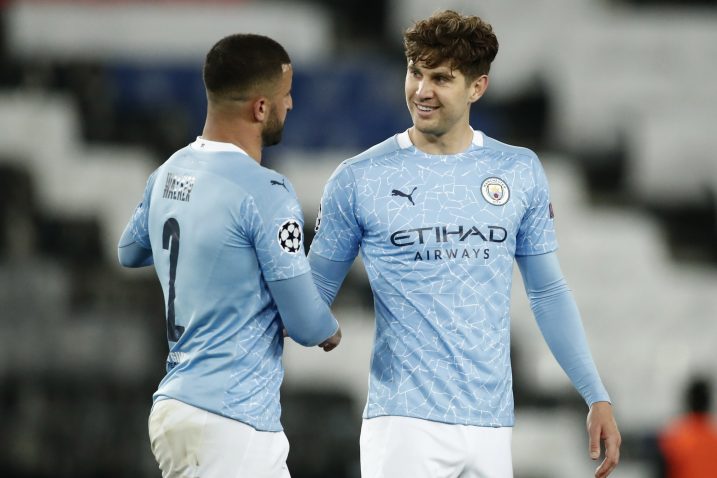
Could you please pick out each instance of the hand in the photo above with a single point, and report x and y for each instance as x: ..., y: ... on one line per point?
x: 332, y: 342
x: 602, y: 427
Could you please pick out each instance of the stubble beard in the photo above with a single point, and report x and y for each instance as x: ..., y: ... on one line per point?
x: 272, y: 132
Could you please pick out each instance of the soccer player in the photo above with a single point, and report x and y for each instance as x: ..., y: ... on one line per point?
x: 439, y: 213
x: 225, y: 237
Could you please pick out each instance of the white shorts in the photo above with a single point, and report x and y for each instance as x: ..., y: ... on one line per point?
x: 402, y: 447
x: 188, y: 442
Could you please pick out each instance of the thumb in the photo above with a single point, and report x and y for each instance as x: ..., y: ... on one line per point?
x: 594, y: 443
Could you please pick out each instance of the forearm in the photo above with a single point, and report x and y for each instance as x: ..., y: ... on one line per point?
x: 559, y: 321
x: 305, y: 315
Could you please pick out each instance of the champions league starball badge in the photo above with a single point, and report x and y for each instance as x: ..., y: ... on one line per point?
x: 290, y: 236
x: 495, y: 191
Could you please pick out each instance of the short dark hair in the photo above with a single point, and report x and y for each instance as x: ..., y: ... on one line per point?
x: 239, y: 63
x: 467, y: 42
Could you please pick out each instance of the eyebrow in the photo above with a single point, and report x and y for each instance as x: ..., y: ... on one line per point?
x: 444, y: 71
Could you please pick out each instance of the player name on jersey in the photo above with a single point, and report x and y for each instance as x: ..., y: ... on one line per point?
x: 178, y: 187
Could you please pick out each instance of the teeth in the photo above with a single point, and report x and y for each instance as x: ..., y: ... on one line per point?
x: 424, y: 108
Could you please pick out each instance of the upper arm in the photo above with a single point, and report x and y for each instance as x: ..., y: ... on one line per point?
x: 540, y: 272
x: 536, y: 234
x: 338, y: 231
x: 275, y: 224
x: 134, y: 248
x: 328, y: 275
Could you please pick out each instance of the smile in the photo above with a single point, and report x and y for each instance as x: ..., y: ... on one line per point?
x: 425, y: 108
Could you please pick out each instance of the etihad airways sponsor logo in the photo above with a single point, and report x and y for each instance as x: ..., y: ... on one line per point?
x: 443, y: 234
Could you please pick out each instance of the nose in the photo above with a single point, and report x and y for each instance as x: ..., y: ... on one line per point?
x: 289, y: 103
x: 424, y: 89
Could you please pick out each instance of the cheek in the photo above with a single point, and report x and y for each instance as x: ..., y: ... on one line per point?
x: 410, y: 86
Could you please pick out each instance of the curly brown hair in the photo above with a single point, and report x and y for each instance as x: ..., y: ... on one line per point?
x: 466, y: 41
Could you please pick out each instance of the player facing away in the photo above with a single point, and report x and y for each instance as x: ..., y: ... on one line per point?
x: 439, y: 213
x: 225, y: 237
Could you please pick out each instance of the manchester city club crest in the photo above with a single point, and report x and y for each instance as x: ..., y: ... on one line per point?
x: 495, y: 191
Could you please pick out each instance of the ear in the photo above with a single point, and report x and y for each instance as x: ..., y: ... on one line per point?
x: 260, y: 109
x: 478, y: 88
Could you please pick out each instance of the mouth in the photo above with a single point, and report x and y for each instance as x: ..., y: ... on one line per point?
x: 425, y: 108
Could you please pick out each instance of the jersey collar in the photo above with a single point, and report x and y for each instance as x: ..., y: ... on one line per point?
x: 201, y: 144
x: 404, y: 141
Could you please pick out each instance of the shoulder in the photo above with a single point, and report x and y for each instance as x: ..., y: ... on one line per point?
x: 382, y: 149
x: 515, y: 158
x: 366, y: 158
x: 269, y: 190
x: 510, y: 150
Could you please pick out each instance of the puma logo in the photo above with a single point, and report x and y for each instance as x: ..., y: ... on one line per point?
x: 396, y: 192
x: 274, y: 182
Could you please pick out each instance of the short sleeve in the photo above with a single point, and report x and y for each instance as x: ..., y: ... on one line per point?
x: 338, y: 233
x: 536, y: 234
x: 139, y: 222
x: 277, y: 232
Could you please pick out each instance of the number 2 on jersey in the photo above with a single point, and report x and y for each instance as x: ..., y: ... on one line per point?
x: 170, y: 240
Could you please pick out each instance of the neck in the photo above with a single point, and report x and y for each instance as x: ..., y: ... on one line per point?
x: 452, y: 142
x: 231, y: 128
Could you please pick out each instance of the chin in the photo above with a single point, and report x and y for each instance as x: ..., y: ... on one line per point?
x: 428, y: 130
x: 271, y: 139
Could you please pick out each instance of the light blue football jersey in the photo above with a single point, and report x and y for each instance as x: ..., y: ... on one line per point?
x: 220, y: 225
x: 438, y: 235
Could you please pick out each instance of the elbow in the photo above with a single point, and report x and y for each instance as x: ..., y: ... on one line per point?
x: 129, y: 264
x: 547, y: 291
x: 124, y: 260
x: 134, y: 259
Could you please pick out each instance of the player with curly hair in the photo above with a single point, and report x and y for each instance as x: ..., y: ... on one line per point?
x: 440, y: 212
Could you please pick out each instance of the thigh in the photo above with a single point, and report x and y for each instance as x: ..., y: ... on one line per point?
x: 490, y: 453
x: 398, y: 447
x: 189, y: 442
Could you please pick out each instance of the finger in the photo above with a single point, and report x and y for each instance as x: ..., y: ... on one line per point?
x: 605, y: 468
x: 612, y: 456
x: 594, y: 446
x: 612, y: 451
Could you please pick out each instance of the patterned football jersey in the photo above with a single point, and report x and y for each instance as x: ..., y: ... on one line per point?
x: 220, y: 226
x: 438, y: 235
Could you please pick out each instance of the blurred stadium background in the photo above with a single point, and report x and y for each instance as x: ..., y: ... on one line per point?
x: 617, y: 97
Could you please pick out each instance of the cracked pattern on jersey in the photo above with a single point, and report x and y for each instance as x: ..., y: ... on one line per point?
x: 439, y: 256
